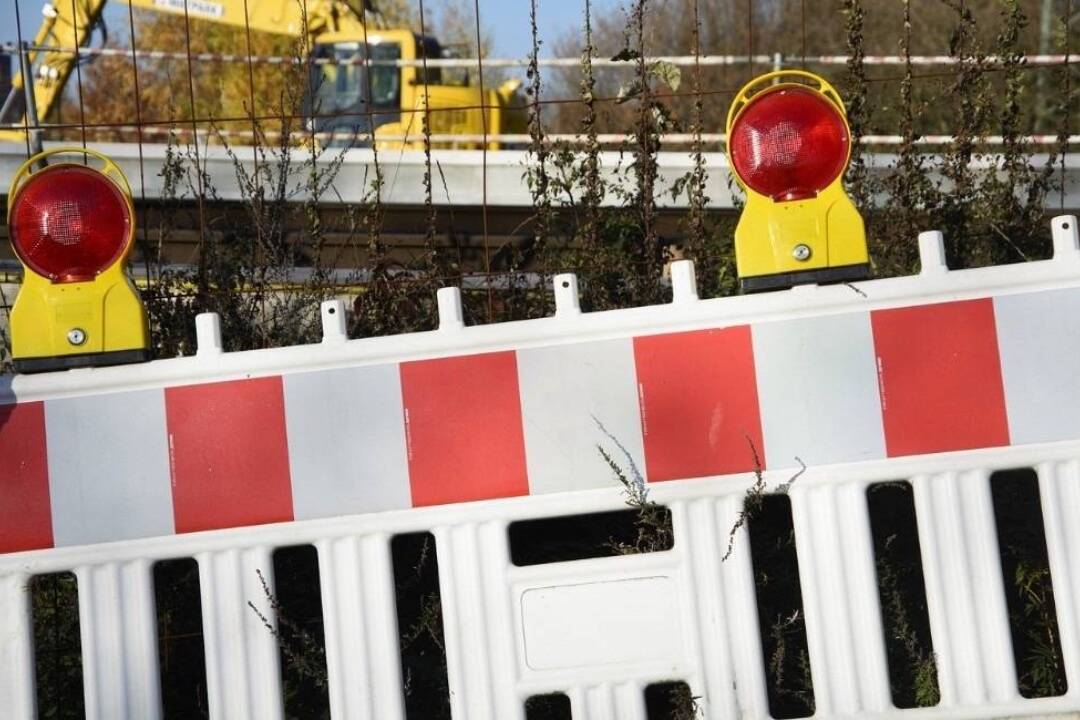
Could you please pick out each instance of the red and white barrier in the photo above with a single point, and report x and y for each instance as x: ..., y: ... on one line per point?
x: 938, y: 379
x: 863, y: 383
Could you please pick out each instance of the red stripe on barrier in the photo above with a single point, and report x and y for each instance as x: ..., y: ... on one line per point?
x: 939, y: 375
x: 228, y: 454
x: 25, y: 508
x: 699, y: 403
x: 463, y: 428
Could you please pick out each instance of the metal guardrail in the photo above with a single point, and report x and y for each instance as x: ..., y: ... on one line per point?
x: 776, y: 60
x: 458, y: 174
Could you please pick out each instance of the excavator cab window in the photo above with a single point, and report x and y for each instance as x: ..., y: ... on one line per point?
x: 428, y: 47
x: 456, y: 76
x: 339, y: 86
x: 12, y: 101
x: 385, y: 79
x: 5, y: 74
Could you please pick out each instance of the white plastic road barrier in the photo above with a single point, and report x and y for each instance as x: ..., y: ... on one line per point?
x: 939, y: 379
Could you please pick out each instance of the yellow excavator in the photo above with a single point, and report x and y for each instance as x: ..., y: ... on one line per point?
x: 348, y: 34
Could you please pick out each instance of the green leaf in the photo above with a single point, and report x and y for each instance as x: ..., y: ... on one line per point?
x: 667, y: 73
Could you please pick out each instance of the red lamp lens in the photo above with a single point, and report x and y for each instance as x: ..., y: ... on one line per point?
x: 69, y: 222
x: 789, y: 144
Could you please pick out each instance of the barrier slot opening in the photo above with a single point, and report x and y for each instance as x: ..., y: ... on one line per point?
x: 902, y: 594
x: 57, y: 646
x: 181, y: 653
x: 300, y: 636
x: 781, y: 619
x: 593, y: 535
x: 1029, y: 588
x: 420, y: 627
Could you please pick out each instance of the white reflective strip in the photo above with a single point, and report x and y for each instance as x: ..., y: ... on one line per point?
x: 839, y: 592
x: 243, y: 675
x: 740, y: 600
x: 108, y: 467
x: 818, y: 390
x: 346, y: 441
x: 565, y: 391
x: 965, y: 595
x: 119, y: 642
x: 1059, y: 493
x: 1039, y: 342
x: 363, y: 661
x: 17, y: 695
x: 478, y: 630
x: 696, y: 536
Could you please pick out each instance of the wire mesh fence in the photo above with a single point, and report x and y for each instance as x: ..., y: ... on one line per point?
x: 973, y: 102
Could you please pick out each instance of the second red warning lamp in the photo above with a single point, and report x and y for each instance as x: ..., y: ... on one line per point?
x: 788, y: 145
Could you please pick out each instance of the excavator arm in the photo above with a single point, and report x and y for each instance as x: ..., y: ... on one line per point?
x: 69, y: 24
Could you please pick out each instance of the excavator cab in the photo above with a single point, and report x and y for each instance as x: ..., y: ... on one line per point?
x: 380, y: 86
x: 355, y: 89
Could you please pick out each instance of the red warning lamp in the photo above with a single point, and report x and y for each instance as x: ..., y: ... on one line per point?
x: 69, y: 223
x: 790, y: 144
x: 72, y: 225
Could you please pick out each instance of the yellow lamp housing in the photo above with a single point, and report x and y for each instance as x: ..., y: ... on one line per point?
x: 72, y: 224
x: 788, y: 146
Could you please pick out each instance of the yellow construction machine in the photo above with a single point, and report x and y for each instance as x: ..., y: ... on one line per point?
x: 358, y: 83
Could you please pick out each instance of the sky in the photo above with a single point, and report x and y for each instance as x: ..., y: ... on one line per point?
x: 507, y: 20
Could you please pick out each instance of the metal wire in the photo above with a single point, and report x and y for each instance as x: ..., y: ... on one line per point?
x: 750, y: 34
x: 28, y: 83
x: 802, y: 15
x: 78, y: 79
x: 1068, y: 99
x: 522, y: 63
x: 484, y: 158
x: 203, y: 280
x: 377, y: 201
x: 426, y: 127
x: 138, y: 119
